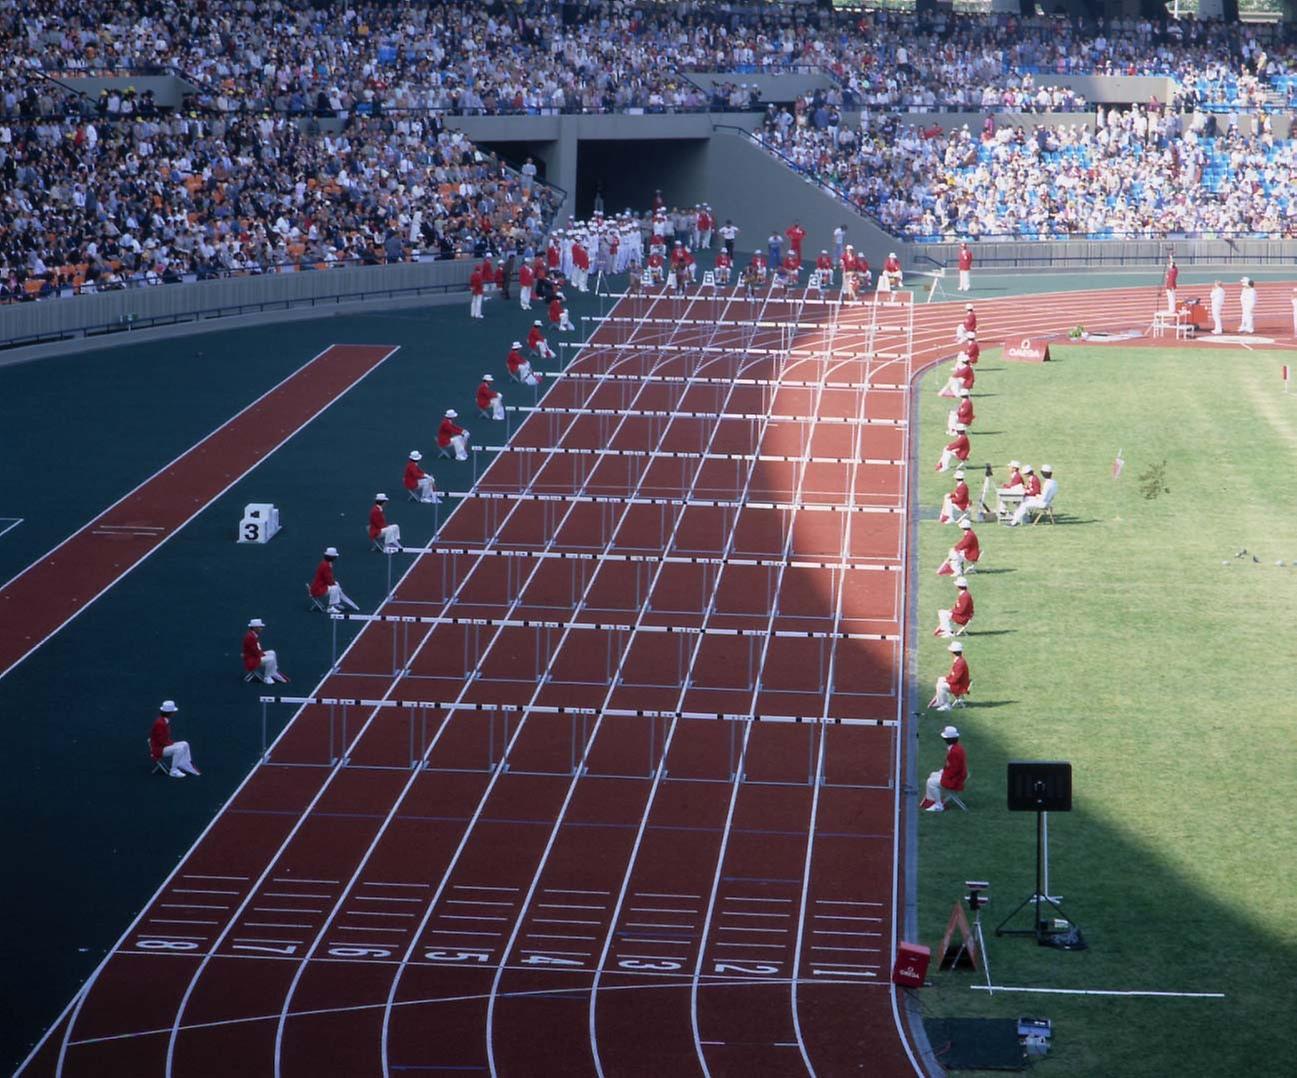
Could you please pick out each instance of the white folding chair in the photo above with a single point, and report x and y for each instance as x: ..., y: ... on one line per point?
x: 318, y: 602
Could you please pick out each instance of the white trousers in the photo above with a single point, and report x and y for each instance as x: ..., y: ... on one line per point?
x: 178, y: 756
x: 722, y: 275
x: 564, y: 322
x: 1246, y: 325
x: 543, y: 350
x: 1170, y: 300
x: 945, y: 626
x: 336, y: 597
x: 1028, y: 505
x: 956, y: 562
x: 952, y: 417
x: 705, y: 239
x: 524, y: 297
x: 269, y: 667
x: 390, y: 537
x: 948, y: 459
x: 965, y: 280
x: 475, y: 307
x: 951, y: 388
x: 1215, y: 318
x: 459, y: 444
x: 579, y: 278
x: 961, y: 334
x: 943, y: 699
x: 933, y: 790
x: 948, y: 512
x: 428, y: 490
x: 497, y: 407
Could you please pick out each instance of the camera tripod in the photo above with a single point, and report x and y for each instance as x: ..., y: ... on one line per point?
x: 1038, y: 898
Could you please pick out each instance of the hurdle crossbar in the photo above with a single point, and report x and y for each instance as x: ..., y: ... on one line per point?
x: 693, y: 503
x: 665, y: 413
x: 673, y: 454
x: 707, y: 380
x: 739, y: 352
x: 897, y: 298
x: 670, y: 559
x: 624, y: 627
x: 558, y: 709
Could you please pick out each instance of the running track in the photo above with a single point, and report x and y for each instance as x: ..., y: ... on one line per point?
x: 649, y: 914
x: 55, y: 588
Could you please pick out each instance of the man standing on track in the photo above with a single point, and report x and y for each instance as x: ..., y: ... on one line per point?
x: 264, y: 664
x: 955, y: 684
x: 951, y: 777
x: 525, y: 279
x: 475, y: 289
x: 450, y: 435
x: 326, y: 587
x: 166, y: 751
x: 1172, y: 276
x: 728, y: 232
x: 489, y: 402
x: 386, y: 535
x: 960, y: 614
x: 796, y: 235
x: 965, y: 263
x: 418, y: 481
x: 1247, y: 301
x: 1217, y: 299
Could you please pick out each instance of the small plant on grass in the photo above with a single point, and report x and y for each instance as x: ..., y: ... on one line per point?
x: 1152, y: 481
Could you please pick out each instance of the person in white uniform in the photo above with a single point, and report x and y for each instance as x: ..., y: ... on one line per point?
x: 1048, y: 492
x: 1247, y: 301
x: 1217, y: 299
x: 174, y: 755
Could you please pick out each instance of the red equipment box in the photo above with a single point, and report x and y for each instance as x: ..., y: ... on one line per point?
x: 911, y: 967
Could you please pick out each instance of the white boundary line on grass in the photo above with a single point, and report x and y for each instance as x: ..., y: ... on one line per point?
x: 1099, y: 992
x: 13, y: 523
x: 88, y: 526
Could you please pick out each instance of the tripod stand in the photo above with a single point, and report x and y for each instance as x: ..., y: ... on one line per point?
x: 1038, y: 898
x: 964, y: 946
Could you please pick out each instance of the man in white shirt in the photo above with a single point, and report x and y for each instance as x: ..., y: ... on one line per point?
x: 1217, y: 299
x: 1048, y: 492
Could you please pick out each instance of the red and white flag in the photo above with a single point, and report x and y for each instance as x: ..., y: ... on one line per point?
x: 1119, y: 462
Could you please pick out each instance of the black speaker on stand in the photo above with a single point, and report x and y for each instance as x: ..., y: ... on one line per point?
x: 1042, y: 786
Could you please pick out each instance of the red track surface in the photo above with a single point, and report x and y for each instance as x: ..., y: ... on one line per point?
x: 374, y: 918
x: 57, y: 587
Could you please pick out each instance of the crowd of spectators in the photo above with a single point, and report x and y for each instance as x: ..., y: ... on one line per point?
x: 1133, y: 173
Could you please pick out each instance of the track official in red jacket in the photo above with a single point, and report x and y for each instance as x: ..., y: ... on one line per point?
x: 965, y: 554
x: 955, y: 684
x: 952, y: 776
x: 965, y: 262
x: 164, y: 749
x: 256, y: 660
x: 953, y: 621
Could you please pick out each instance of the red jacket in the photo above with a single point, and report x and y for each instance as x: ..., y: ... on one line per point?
x: 958, y: 679
x: 525, y: 276
x: 551, y: 256
x: 323, y: 578
x: 955, y: 773
x: 484, y: 394
x: 965, y: 374
x: 413, y: 473
x: 1172, y: 275
x: 159, y: 736
x: 968, y: 545
x: 514, y: 360
x: 892, y: 265
x: 824, y: 262
x: 970, y: 321
x: 791, y: 262
x: 964, y: 413
x: 959, y: 445
x: 974, y: 352
x: 959, y: 498
x: 475, y: 282
x: 1032, y: 483
x: 1015, y: 480
x: 848, y: 261
x: 580, y: 257
x: 377, y: 522
x: 449, y: 429
x: 251, y: 650
x: 965, y: 258
x: 962, y: 612
x: 534, y: 337
x: 795, y: 234
x: 723, y: 260
x: 555, y: 311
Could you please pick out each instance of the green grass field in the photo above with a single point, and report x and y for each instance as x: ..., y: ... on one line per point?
x: 1131, y: 641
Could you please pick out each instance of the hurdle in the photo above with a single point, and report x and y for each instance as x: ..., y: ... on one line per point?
x: 416, y: 713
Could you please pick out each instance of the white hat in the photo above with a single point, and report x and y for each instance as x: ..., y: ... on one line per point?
x: 518, y: 344
x: 961, y: 426
x: 968, y: 306
x: 1245, y: 280
x: 964, y: 391
x: 972, y: 336
x: 451, y: 413
x: 256, y: 623
x: 488, y: 377
x: 1015, y: 464
x: 959, y: 473
x: 537, y: 322
x: 950, y: 731
x: 961, y: 581
x: 956, y: 647
x: 415, y: 455
x: 964, y: 522
x: 1047, y: 468
x: 330, y: 551
x: 1026, y: 467
x: 168, y: 706
x: 891, y: 254
x: 380, y: 497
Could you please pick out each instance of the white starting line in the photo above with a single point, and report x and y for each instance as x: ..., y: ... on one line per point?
x: 671, y: 454
x: 651, y: 559
x: 666, y: 413
x: 1098, y: 992
x: 544, y: 709
x: 681, y: 630
x: 692, y: 503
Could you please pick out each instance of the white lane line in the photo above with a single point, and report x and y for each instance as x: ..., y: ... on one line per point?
x: 570, y: 891
x: 294, y: 879
x: 461, y: 932
x: 272, y: 924
x: 276, y: 909
x: 663, y: 894
x: 556, y: 936
x: 469, y: 917
x: 655, y: 909
x: 375, y: 913
x: 178, y: 921
x: 369, y: 928
x: 284, y: 894
x: 476, y: 902
x: 561, y: 921
x: 475, y: 887
x: 197, y: 876
x: 566, y: 906
x: 388, y: 883
x: 200, y: 891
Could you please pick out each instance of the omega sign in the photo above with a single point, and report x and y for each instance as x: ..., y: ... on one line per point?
x: 1027, y: 352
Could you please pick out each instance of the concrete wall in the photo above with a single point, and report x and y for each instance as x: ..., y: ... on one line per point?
x: 168, y: 90
x: 777, y: 88
x: 77, y: 315
x: 1061, y: 254
x: 760, y: 193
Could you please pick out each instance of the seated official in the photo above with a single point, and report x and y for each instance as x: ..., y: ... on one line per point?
x: 954, y: 621
x: 955, y: 685
x: 419, y: 482
x: 256, y: 660
x: 952, y: 776
x: 1041, y: 502
x: 163, y: 749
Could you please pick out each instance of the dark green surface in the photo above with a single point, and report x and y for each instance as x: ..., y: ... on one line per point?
x: 91, y: 832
